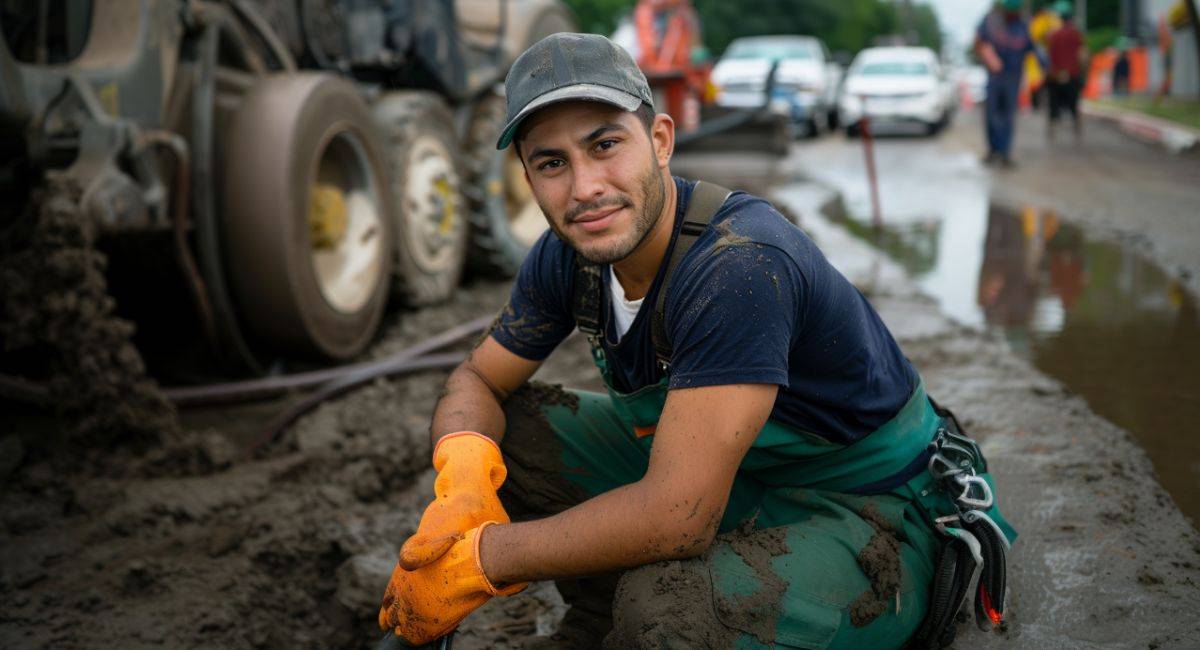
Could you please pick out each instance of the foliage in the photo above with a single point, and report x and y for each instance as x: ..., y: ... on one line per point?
x: 1179, y: 110
x: 1101, y: 37
x: 842, y: 24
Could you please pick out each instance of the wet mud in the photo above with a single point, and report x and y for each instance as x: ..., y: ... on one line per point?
x: 533, y: 455
x: 757, y: 613
x: 55, y: 299
x: 880, y: 562
x: 667, y: 605
x: 727, y: 238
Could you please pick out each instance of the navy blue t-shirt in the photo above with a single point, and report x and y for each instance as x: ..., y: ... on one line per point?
x: 1011, y: 41
x: 753, y: 301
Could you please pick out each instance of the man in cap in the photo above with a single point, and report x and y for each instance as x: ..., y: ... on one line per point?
x: 757, y: 466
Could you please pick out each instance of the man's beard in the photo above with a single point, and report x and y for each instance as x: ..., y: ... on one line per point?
x: 654, y: 196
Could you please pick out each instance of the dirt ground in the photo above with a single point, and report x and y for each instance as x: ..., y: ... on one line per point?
x: 293, y: 549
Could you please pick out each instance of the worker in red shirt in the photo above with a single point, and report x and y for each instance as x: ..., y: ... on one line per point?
x: 1067, y: 54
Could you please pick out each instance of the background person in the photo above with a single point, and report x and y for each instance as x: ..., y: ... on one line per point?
x: 1067, y: 52
x: 1001, y: 42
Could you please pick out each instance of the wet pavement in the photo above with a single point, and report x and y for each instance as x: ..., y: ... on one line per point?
x: 1093, y: 311
x: 1104, y: 558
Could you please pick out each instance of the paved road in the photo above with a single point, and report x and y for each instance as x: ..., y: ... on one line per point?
x: 1113, y: 184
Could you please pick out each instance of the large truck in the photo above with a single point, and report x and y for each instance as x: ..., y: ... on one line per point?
x: 269, y: 173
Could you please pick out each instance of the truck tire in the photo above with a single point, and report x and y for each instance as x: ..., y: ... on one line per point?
x: 308, y: 216
x: 431, y: 232
x: 505, y: 218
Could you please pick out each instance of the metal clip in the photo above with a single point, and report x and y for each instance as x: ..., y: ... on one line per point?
x: 971, y: 447
x: 936, y: 464
x: 966, y: 500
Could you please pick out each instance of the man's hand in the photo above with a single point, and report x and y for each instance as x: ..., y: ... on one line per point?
x: 426, y: 604
x: 470, y: 470
x: 991, y: 60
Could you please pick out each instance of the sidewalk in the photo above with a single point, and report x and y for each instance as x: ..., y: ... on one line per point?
x: 1171, y: 135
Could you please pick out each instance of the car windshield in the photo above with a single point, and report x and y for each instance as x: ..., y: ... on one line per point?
x: 906, y: 68
x: 771, y: 50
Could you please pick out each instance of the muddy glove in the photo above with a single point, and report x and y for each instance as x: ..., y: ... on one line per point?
x: 426, y: 604
x: 470, y: 470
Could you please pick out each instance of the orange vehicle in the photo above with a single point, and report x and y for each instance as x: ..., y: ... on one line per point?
x: 667, y: 39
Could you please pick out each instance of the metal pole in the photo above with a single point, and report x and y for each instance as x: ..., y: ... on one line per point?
x: 869, y: 154
x: 1081, y: 15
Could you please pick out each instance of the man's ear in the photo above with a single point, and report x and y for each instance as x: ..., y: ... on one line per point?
x: 662, y: 138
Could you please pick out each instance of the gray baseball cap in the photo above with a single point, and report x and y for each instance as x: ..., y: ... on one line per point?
x: 564, y: 67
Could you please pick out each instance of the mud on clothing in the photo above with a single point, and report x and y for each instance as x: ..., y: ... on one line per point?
x: 842, y: 495
x: 753, y: 301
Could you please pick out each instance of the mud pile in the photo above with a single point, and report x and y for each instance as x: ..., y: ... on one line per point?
x: 55, y: 299
x: 193, y: 543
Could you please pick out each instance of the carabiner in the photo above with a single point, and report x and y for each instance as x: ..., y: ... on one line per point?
x: 965, y: 500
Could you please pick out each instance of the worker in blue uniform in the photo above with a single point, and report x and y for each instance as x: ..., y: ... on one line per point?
x: 1002, y: 42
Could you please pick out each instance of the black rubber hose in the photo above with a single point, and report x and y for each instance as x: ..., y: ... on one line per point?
x: 347, y: 383
x: 235, y: 351
x: 23, y: 390
x: 255, y: 389
x: 262, y: 29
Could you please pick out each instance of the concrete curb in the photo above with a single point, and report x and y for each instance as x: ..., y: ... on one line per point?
x: 1173, y: 137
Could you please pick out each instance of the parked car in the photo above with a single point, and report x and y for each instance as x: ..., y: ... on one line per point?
x: 896, y: 86
x: 971, y: 80
x: 802, y: 80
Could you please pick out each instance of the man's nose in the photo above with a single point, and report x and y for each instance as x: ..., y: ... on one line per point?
x: 589, y: 182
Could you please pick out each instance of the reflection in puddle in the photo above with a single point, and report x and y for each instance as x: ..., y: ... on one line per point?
x: 1106, y: 322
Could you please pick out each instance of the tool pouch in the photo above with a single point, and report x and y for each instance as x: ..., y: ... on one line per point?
x: 974, y: 547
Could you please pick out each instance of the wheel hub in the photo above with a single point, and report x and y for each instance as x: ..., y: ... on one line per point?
x: 345, y: 225
x: 432, y: 205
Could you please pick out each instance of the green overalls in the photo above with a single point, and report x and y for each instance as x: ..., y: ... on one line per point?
x: 831, y: 501
x: 803, y: 483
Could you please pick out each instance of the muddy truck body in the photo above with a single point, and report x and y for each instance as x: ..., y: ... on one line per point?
x: 264, y: 177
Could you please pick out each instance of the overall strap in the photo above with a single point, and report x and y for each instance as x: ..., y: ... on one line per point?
x: 586, y: 300
x: 707, y: 199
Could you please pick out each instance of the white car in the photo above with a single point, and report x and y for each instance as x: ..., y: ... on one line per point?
x: 801, y: 81
x: 896, y: 86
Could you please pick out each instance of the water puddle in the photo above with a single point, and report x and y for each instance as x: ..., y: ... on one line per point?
x: 1100, y: 318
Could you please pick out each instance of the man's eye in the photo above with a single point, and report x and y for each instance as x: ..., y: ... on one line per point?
x: 550, y: 164
x: 605, y: 145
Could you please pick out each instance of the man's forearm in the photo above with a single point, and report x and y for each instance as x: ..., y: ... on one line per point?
x: 469, y: 403
x: 622, y: 528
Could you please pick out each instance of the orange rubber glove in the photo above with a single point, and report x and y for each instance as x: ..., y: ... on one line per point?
x: 470, y: 470
x: 428, y: 603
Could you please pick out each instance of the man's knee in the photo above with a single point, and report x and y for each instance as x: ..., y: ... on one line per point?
x: 533, y: 454
x: 667, y: 605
